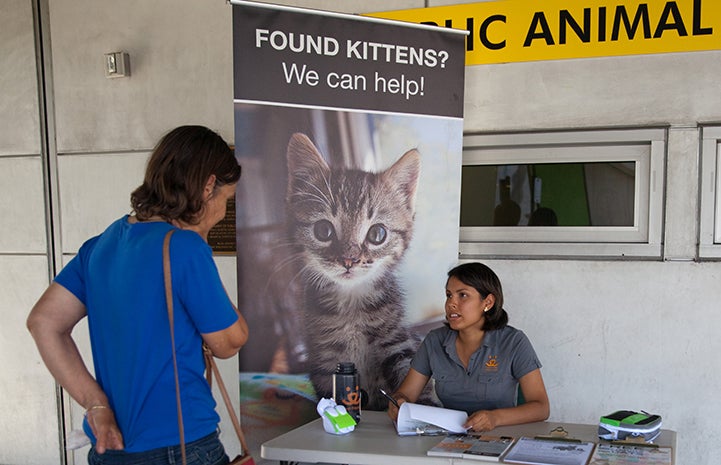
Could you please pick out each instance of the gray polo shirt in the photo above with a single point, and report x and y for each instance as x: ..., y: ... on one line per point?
x: 493, y: 372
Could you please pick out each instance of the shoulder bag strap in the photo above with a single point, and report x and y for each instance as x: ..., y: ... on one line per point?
x: 212, y: 369
x: 210, y: 365
x: 169, y: 302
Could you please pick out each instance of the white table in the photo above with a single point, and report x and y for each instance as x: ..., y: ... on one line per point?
x: 375, y: 442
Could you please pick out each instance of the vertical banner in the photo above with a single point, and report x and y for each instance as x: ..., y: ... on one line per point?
x: 349, y: 132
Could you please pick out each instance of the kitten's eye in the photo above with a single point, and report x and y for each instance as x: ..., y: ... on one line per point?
x: 376, y: 234
x: 323, y: 230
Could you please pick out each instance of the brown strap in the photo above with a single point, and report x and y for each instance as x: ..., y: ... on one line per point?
x: 212, y: 369
x: 169, y: 302
x: 210, y: 365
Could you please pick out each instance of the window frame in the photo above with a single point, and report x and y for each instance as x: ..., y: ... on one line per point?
x: 646, y: 147
x: 710, y: 190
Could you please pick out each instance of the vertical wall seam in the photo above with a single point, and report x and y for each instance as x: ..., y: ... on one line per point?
x: 48, y: 157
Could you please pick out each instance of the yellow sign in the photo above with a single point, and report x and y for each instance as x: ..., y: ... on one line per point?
x: 507, y: 31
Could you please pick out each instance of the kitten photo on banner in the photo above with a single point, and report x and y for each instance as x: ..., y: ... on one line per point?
x: 344, y: 239
x: 350, y: 229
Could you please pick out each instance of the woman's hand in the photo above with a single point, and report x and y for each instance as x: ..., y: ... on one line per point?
x: 392, y: 409
x: 482, y: 420
x: 105, y: 429
x: 409, y: 391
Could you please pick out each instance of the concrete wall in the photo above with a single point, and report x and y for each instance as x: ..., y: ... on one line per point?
x: 611, y: 334
x: 28, y: 429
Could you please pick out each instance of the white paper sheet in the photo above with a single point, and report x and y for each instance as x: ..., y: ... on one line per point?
x: 415, y: 419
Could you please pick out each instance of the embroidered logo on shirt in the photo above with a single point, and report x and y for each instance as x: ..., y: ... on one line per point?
x: 492, y: 363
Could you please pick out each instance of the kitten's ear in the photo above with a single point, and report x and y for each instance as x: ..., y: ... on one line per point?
x: 304, y: 161
x: 303, y: 155
x: 404, y: 174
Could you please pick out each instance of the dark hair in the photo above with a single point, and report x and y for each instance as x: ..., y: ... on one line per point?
x: 543, y: 216
x: 485, y: 281
x: 177, y: 172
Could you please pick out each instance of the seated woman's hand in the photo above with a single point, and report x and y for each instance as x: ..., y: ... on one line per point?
x: 482, y: 420
x: 392, y: 409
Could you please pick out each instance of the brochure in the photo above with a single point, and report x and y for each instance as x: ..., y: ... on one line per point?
x: 466, y: 446
x: 630, y: 454
x: 417, y: 419
x: 542, y: 451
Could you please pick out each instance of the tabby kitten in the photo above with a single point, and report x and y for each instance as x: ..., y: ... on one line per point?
x: 350, y: 229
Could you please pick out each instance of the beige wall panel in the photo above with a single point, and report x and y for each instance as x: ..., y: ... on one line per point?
x: 22, y: 207
x: 228, y: 269
x: 594, y: 92
x: 94, y: 192
x: 624, y: 335
x: 682, y: 204
x: 19, y: 124
x: 29, y: 426
x: 432, y: 3
x: 354, y: 6
x: 181, y: 71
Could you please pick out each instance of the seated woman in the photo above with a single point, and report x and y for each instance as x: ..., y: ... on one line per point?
x: 476, y: 360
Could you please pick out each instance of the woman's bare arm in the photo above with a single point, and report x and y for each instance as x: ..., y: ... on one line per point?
x: 51, y: 322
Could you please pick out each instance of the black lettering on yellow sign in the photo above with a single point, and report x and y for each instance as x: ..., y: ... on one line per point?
x: 608, y: 24
x: 671, y: 19
x: 482, y: 31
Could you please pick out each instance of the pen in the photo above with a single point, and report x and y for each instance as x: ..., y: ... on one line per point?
x: 387, y: 396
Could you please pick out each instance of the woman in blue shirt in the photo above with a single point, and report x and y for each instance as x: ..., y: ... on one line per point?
x: 116, y: 280
x: 477, y: 361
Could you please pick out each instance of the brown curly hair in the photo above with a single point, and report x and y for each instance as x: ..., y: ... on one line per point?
x: 177, y: 172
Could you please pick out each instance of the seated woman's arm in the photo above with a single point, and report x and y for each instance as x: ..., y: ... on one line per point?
x: 535, y: 408
x: 409, y: 391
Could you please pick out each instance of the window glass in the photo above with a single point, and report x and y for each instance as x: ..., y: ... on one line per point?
x: 548, y: 194
x: 564, y: 193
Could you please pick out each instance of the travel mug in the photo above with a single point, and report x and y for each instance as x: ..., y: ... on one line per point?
x: 346, y: 389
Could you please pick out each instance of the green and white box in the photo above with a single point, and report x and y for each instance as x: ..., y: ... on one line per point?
x: 623, y: 424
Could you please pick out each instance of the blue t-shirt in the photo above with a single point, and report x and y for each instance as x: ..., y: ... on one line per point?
x: 491, y: 380
x: 118, y: 276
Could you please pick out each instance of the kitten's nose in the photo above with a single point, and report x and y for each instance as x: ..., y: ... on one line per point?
x: 349, y: 262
